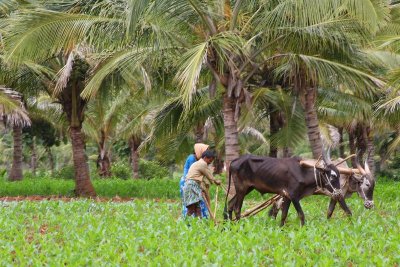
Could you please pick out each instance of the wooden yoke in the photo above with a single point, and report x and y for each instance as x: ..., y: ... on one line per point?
x: 342, y: 170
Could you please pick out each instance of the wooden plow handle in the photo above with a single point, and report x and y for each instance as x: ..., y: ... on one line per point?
x: 260, y: 207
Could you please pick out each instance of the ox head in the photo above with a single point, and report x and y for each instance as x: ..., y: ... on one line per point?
x: 366, y: 184
x: 332, y: 182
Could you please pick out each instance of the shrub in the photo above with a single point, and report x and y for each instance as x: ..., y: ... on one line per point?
x: 121, y: 170
x: 151, y: 169
x: 66, y: 172
x: 3, y: 172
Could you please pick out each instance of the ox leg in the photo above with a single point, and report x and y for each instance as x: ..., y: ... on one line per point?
x: 344, y: 206
x: 238, y: 205
x: 299, y: 210
x: 285, y: 209
x: 231, y: 205
x: 273, y: 211
x: 331, y: 208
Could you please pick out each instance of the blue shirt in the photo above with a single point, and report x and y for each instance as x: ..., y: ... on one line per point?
x: 189, y: 161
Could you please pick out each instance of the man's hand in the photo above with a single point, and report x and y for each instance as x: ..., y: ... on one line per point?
x: 217, y: 182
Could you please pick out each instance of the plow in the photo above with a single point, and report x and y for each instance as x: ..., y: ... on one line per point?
x: 248, y: 213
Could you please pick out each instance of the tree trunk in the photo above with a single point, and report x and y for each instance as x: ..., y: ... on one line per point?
x: 352, y: 145
x: 274, y: 129
x: 341, y: 145
x: 134, y: 145
x: 287, y: 152
x: 51, y: 159
x: 104, y: 165
x: 219, y: 165
x: 103, y: 161
x: 199, y: 133
x: 232, y: 148
x: 371, y: 151
x: 16, y: 169
x: 34, y: 156
x: 313, y: 131
x: 83, y: 184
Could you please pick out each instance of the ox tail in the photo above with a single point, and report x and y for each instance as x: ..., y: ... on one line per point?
x: 226, y: 215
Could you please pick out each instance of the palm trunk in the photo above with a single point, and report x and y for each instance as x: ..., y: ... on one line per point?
x: 341, y: 145
x: 232, y: 148
x: 352, y: 145
x: 134, y: 145
x: 34, y: 156
x: 51, y: 159
x: 104, y: 165
x: 83, y: 184
x: 274, y: 128
x: 312, y: 122
x: 287, y: 152
x: 219, y: 165
x: 371, y: 151
x: 16, y: 169
x: 199, y: 133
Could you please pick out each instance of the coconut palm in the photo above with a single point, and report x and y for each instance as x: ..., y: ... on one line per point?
x: 101, y: 120
x: 308, y: 44
x: 17, y: 118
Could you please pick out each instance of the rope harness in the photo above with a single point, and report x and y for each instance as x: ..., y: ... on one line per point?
x: 318, y: 180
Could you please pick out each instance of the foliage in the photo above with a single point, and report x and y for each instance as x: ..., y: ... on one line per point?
x: 139, y: 188
x: 151, y: 170
x: 149, y: 233
x: 121, y: 170
x: 392, y: 172
x: 66, y: 172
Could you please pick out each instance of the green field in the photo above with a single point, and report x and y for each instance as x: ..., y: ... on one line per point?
x: 149, y: 232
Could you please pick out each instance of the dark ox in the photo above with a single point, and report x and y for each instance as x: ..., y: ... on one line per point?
x: 363, y: 183
x: 358, y: 180
x: 285, y: 176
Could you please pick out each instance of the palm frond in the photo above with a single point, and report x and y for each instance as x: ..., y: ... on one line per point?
x: 189, y: 71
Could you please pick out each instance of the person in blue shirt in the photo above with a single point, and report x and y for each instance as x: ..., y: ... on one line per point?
x: 199, y: 148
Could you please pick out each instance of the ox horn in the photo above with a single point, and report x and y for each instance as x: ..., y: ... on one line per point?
x: 362, y: 171
x: 326, y: 155
x: 366, y: 167
x: 343, y: 160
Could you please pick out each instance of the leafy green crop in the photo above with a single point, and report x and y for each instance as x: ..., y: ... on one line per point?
x: 150, y: 233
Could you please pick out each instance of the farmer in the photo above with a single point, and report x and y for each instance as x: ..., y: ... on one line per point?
x: 197, y: 184
x: 199, y: 148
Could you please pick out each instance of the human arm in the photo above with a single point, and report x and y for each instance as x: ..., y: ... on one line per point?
x: 208, y: 174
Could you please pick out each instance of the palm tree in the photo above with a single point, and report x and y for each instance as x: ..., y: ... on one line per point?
x: 17, y: 118
x: 306, y: 43
x: 101, y: 120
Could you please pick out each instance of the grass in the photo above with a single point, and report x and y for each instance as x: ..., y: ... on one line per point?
x: 150, y: 233
x: 155, y: 188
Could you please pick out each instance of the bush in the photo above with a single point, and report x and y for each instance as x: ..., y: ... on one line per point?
x: 151, y: 169
x: 3, y: 172
x: 66, y: 172
x: 121, y: 170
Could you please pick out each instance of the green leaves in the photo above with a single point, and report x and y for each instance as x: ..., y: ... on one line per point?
x: 149, y: 232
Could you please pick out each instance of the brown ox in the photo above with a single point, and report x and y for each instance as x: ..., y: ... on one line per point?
x: 286, y: 177
x: 358, y: 180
